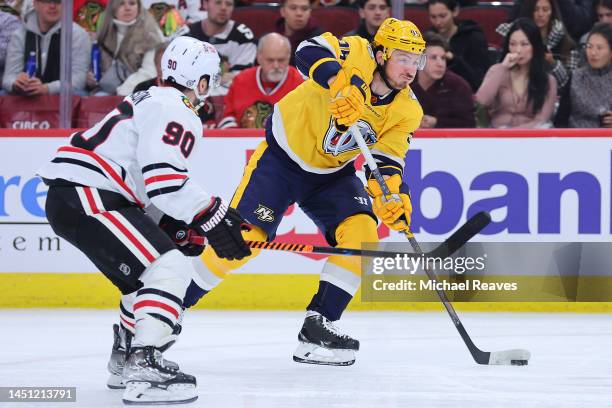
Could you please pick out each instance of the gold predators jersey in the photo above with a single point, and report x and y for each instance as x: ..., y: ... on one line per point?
x: 303, y: 127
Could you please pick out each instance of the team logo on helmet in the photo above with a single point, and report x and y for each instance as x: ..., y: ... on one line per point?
x: 210, y: 49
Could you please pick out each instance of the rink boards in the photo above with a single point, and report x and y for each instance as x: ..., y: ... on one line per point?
x: 539, y: 185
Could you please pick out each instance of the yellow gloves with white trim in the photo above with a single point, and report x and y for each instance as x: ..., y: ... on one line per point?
x: 348, y: 96
x: 396, y: 211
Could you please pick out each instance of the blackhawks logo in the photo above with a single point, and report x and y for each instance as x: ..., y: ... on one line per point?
x: 255, y: 115
x: 188, y: 103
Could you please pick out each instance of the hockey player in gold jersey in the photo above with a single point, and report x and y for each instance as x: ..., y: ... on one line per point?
x: 307, y: 159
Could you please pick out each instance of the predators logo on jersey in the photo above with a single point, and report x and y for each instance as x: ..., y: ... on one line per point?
x: 264, y: 213
x: 302, y: 125
x: 336, y: 142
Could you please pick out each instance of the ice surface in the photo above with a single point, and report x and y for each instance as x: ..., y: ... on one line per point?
x: 243, y: 359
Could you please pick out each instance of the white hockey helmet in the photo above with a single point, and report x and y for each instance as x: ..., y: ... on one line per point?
x: 186, y: 60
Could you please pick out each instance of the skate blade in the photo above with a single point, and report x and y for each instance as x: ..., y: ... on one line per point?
x: 115, y: 382
x: 308, y: 353
x: 142, y: 393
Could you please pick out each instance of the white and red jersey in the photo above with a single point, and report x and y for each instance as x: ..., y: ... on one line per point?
x: 139, y: 150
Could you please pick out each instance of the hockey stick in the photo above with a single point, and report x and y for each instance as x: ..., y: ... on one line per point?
x: 468, y: 230
x: 506, y: 357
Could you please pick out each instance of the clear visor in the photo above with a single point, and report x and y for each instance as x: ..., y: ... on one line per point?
x: 215, y: 81
x: 409, y: 60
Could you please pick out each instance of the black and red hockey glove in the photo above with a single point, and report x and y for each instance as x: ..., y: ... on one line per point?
x: 221, y: 226
x: 189, y: 241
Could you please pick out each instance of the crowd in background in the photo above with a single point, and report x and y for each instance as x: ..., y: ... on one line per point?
x: 553, y: 67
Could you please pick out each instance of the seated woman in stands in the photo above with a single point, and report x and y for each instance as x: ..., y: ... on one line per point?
x: 561, y: 52
x: 588, y: 100
x: 127, y: 41
x: 602, y: 9
x: 468, y: 56
x: 518, y: 92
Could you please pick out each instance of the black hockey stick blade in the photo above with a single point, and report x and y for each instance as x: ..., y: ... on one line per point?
x: 460, y: 237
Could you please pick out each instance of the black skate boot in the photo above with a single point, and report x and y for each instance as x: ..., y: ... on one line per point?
x: 149, y: 381
x: 322, y: 343
x: 122, y: 339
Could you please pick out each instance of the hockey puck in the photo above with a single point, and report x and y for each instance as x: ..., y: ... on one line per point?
x: 519, y: 362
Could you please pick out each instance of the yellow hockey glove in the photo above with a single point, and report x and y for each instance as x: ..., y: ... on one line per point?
x: 348, y: 96
x: 394, y: 211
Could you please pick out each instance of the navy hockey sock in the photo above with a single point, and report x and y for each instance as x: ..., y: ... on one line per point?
x: 330, y: 301
x: 193, y: 294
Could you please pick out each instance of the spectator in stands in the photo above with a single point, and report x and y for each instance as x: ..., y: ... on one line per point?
x: 588, y: 101
x: 169, y: 20
x: 295, y: 23
x: 233, y: 40
x: 462, y: 3
x: 468, y: 54
x: 192, y: 11
x: 9, y: 23
x: 603, y: 12
x: 576, y: 14
x: 127, y: 41
x: 446, y: 98
x: 330, y: 3
x: 372, y: 13
x: 518, y: 92
x: 255, y: 90
x: 40, y: 37
x: 156, y: 81
x: 19, y: 8
x: 89, y: 14
x: 561, y: 52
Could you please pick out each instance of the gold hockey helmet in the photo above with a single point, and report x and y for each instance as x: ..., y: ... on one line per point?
x: 394, y: 34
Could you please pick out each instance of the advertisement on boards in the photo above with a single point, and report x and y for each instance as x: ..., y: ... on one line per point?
x: 536, y: 189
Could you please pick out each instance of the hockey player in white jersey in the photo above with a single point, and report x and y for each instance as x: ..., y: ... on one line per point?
x: 99, y: 185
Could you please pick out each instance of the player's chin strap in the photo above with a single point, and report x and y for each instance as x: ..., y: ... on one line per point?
x: 383, y: 75
x: 197, y: 107
x: 213, y: 82
x: 200, y: 98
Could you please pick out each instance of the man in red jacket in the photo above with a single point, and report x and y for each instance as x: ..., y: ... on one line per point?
x: 254, y: 91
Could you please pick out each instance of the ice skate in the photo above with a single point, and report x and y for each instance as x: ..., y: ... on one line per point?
x: 323, y: 343
x: 121, y: 346
x: 150, y: 381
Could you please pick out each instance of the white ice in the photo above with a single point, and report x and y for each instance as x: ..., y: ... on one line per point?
x: 243, y: 359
